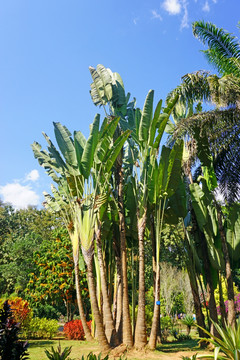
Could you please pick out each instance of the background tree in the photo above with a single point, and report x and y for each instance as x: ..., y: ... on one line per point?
x: 22, y: 233
x: 52, y: 282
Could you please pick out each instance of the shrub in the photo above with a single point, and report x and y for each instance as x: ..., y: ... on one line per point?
x: 174, y: 332
x: 42, y: 328
x: 74, y: 329
x: 189, y: 322
x: 167, y: 327
x: 166, y: 323
x: 236, y: 303
x: 10, y: 347
x: 21, y: 311
x: 183, y: 337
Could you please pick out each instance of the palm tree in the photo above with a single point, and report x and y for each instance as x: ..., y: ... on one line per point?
x: 221, y: 126
x: 224, y: 91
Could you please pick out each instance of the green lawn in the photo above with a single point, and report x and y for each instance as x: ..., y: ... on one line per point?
x: 175, y: 346
x: 79, y: 348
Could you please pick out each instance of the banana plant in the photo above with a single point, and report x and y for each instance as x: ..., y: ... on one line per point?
x: 214, y: 209
x: 149, y: 127
x: 118, y: 106
x: 165, y: 180
x: 232, y: 228
x: 83, y: 158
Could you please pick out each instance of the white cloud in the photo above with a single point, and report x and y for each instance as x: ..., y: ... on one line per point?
x: 32, y: 176
x: 135, y: 20
x: 215, y: 1
x: 19, y: 196
x: 173, y: 7
x: 176, y: 7
x: 156, y: 15
x: 184, y: 22
x: 206, y: 7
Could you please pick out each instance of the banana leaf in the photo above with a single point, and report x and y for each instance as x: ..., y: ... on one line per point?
x: 90, y: 147
x: 146, y: 117
x: 65, y: 144
x: 232, y: 226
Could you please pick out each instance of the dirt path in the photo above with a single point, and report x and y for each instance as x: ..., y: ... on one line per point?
x: 153, y: 355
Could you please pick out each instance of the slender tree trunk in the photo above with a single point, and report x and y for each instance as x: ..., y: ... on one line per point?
x: 222, y: 305
x: 80, y: 304
x: 119, y: 317
x: 108, y: 319
x: 196, y: 299
x: 95, y: 309
x: 119, y: 322
x: 231, y: 307
x: 117, y: 302
x: 134, y: 289
x: 194, y: 286
x: 141, y: 332
x: 156, y: 313
x: 204, y: 300
x: 154, y: 266
x: 209, y: 286
x: 126, y: 319
x: 154, y: 259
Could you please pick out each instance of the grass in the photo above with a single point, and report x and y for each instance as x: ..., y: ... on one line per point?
x: 165, y: 351
x: 174, y: 346
x: 79, y: 348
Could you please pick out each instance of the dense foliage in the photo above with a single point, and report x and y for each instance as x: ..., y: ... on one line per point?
x: 52, y: 282
x: 11, y: 348
x: 74, y: 329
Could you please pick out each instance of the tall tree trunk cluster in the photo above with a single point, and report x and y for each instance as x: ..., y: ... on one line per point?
x: 112, y: 313
x: 109, y: 261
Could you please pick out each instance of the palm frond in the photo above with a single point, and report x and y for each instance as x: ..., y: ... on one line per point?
x: 194, y: 88
x: 223, y: 133
x: 223, y: 46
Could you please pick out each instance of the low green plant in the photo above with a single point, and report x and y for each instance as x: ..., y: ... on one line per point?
x: 183, y: 337
x: 174, y: 332
x: 58, y: 354
x: 228, y: 343
x: 166, y: 323
x: 189, y: 322
x: 41, y: 328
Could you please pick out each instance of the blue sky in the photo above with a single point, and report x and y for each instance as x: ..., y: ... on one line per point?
x: 47, y: 47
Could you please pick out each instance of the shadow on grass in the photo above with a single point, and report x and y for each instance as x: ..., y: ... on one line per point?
x: 188, y: 345
x: 40, y: 343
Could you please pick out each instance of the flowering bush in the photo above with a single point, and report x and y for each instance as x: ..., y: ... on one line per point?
x: 21, y: 311
x: 236, y: 302
x: 10, y: 346
x: 74, y: 329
